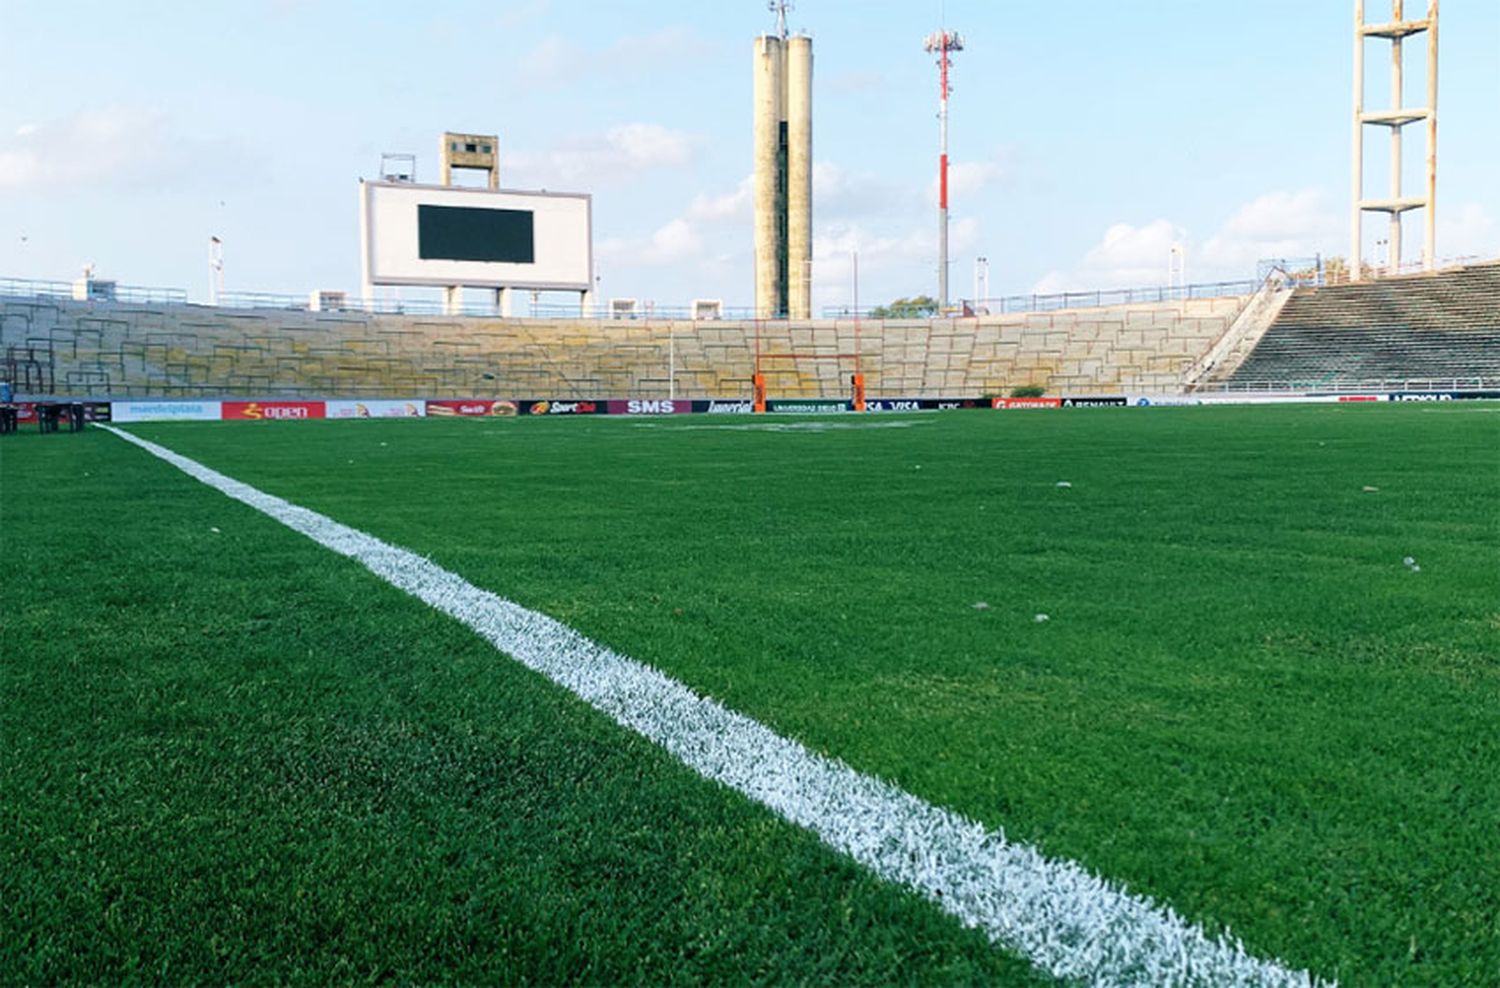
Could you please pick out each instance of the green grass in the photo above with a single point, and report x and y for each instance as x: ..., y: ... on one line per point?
x: 235, y: 754
x: 228, y: 756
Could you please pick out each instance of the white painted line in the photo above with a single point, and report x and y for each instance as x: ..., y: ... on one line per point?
x: 1067, y: 922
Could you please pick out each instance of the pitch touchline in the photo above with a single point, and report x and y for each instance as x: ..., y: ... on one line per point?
x: 1066, y: 921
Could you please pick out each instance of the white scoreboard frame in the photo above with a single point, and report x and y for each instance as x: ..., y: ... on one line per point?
x: 389, y: 249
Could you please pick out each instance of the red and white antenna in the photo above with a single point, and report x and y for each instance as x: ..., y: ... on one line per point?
x: 944, y: 43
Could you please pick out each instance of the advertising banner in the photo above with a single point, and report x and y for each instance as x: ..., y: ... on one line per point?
x: 166, y: 411
x: 894, y: 405
x: 952, y: 404
x: 471, y: 408
x: 1356, y: 399
x: 376, y: 409
x: 1027, y: 403
x: 1162, y: 401
x: 718, y: 407
x: 1425, y: 396
x: 807, y: 406
x: 1253, y: 399
x: 1108, y: 401
x: 273, y: 411
x: 562, y: 407
x: 640, y: 406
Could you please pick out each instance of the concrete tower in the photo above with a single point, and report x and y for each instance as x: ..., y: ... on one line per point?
x: 783, y: 176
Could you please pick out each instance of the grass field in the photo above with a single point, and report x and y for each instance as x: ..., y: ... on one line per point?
x: 230, y: 755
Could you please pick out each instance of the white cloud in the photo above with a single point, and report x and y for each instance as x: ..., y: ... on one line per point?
x: 1277, y: 224
x: 673, y: 242
x: 19, y: 169
x: 710, y: 244
x: 1467, y: 231
x: 736, y: 205
x: 903, y: 262
x: 649, y: 145
x: 1128, y: 256
x: 595, y: 159
x: 114, y: 147
x: 844, y: 195
x: 963, y: 235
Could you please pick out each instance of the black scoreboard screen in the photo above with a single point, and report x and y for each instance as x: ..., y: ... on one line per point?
x: 457, y: 233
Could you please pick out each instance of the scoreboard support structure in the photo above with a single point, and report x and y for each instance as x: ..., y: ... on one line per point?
x: 457, y: 237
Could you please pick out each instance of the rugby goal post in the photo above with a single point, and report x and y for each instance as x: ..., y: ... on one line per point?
x: 768, y: 360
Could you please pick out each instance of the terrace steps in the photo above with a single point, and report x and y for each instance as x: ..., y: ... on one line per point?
x: 1433, y: 328
x: 186, y: 351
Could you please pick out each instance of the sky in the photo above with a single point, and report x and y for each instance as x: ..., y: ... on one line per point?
x: 1088, y: 137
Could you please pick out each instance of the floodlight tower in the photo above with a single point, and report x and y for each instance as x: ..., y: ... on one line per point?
x: 1396, y: 117
x: 943, y: 43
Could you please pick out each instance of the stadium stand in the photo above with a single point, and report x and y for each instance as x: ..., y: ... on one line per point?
x: 1437, y: 330
x: 109, y: 349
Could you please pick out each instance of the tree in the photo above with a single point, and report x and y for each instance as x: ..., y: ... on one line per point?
x: 920, y: 307
x: 1335, y: 271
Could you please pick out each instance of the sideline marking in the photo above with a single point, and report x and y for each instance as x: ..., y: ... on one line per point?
x: 1066, y: 921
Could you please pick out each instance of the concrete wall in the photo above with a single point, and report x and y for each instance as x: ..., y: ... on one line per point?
x: 799, y: 180
x: 81, y: 348
x: 770, y: 202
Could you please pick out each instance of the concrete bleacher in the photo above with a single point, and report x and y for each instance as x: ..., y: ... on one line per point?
x: 1440, y: 330
x: 104, y: 349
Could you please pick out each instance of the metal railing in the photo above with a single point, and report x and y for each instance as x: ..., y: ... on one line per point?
x: 649, y: 310
x: 26, y: 288
x: 136, y: 295
x: 65, y: 290
x: 378, y: 306
x: 1302, y: 272
x: 969, y: 308
x: 1346, y: 386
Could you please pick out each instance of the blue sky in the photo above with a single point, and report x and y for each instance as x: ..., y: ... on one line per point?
x: 1088, y: 137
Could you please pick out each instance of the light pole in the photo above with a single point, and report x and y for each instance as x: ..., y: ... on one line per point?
x: 215, y: 270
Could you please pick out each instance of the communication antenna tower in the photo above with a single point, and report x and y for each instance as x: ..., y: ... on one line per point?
x: 943, y: 43
x: 781, y: 8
